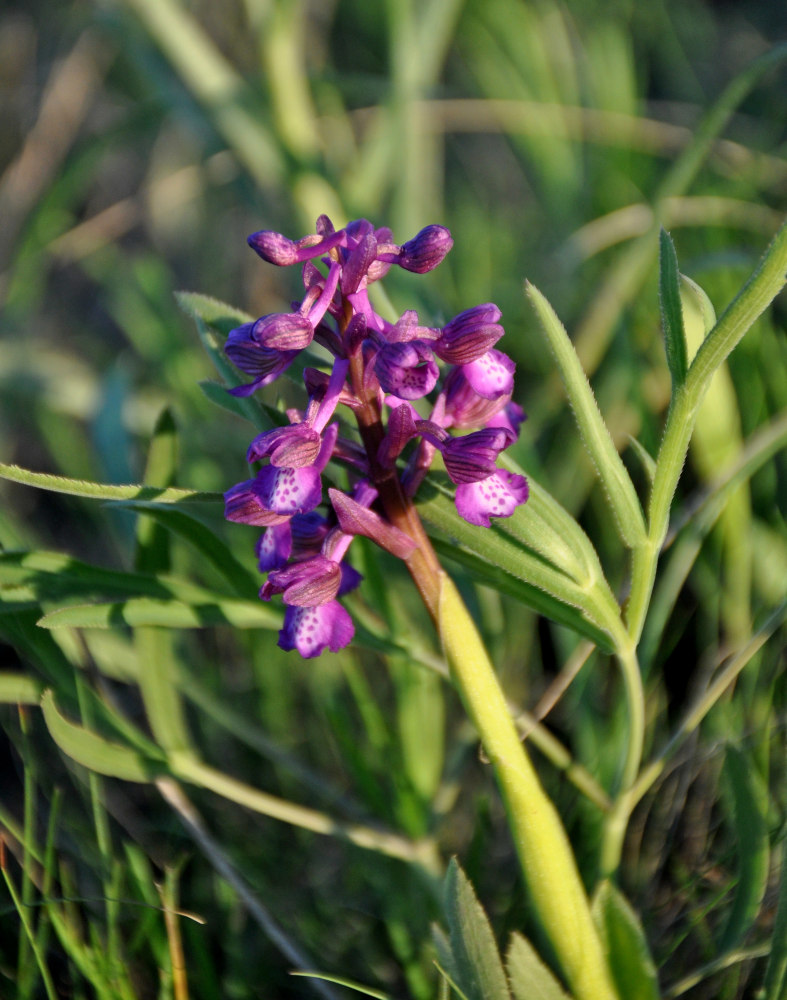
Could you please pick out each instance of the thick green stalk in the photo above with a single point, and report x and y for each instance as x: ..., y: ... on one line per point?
x: 545, y: 854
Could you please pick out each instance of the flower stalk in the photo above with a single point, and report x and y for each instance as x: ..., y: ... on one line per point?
x: 542, y: 845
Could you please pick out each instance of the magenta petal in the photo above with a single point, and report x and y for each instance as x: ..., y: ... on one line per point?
x: 293, y: 447
x: 264, y: 363
x: 407, y: 370
x: 492, y: 375
x: 275, y: 546
x: 244, y: 505
x: 313, y: 630
x: 472, y: 458
x: 497, y: 496
x: 309, y: 583
x: 289, y: 491
x: 283, y: 331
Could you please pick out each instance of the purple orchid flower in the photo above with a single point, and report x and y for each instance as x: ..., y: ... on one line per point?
x: 378, y: 369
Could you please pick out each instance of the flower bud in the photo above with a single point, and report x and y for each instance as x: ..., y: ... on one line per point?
x: 274, y: 247
x: 425, y: 250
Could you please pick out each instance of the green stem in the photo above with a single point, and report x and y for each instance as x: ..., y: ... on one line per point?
x: 189, y: 768
x: 617, y: 819
x: 545, y: 854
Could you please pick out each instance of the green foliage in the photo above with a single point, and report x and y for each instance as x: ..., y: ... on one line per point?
x: 142, y: 141
x: 625, y: 943
x: 671, y: 311
x: 469, y: 959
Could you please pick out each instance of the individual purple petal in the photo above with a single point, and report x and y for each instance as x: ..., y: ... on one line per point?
x: 497, y: 496
x: 289, y: 491
x: 283, y: 331
x: 463, y: 407
x: 469, y: 335
x: 472, y: 458
x: 264, y: 363
x: 356, y: 519
x: 294, y: 446
x: 426, y: 249
x: 357, y: 263
x: 324, y: 300
x: 351, y: 579
x: 243, y: 504
x: 399, y: 430
x: 407, y: 370
x: 313, y: 630
x: 510, y: 418
x: 492, y: 375
x: 305, y: 584
x: 275, y: 546
x: 406, y: 328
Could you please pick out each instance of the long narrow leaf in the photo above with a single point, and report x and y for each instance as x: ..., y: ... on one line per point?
x: 93, y: 751
x: 167, y: 614
x: 103, y: 491
x: 595, y: 434
x: 671, y: 310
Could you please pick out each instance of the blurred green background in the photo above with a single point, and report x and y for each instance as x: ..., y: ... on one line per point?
x: 141, y: 141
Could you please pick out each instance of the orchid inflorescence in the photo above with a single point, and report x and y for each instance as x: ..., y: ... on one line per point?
x: 379, y: 370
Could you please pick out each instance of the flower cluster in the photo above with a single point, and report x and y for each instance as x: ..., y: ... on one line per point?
x: 379, y: 371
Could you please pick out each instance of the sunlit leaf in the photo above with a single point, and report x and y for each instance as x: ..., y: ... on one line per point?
x: 93, y: 751
x: 529, y: 977
x: 476, y: 960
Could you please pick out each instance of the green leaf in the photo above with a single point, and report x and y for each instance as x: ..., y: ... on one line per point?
x: 218, y: 394
x: 530, y: 978
x: 750, y: 806
x: 152, y: 554
x: 775, y: 987
x: 646, y: 460
x: 476, y: 960
x: 367, y: 991
x: 672, y: 311
x: 104, y: 491
x: 594, y: 432
x: 19, y: 689
x: 212, y: 311
x: 168, y: 614
x: 696, y: 299
x: 630, y: 961
x: 154, y: 646
x: 49, y: 576
x: 93, y: 751
x: 192, y: 530
x: 501, y: 561
x: 157, y: 678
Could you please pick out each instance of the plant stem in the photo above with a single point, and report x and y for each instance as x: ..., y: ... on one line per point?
x: 545, y: 854
x: 188, y: 768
